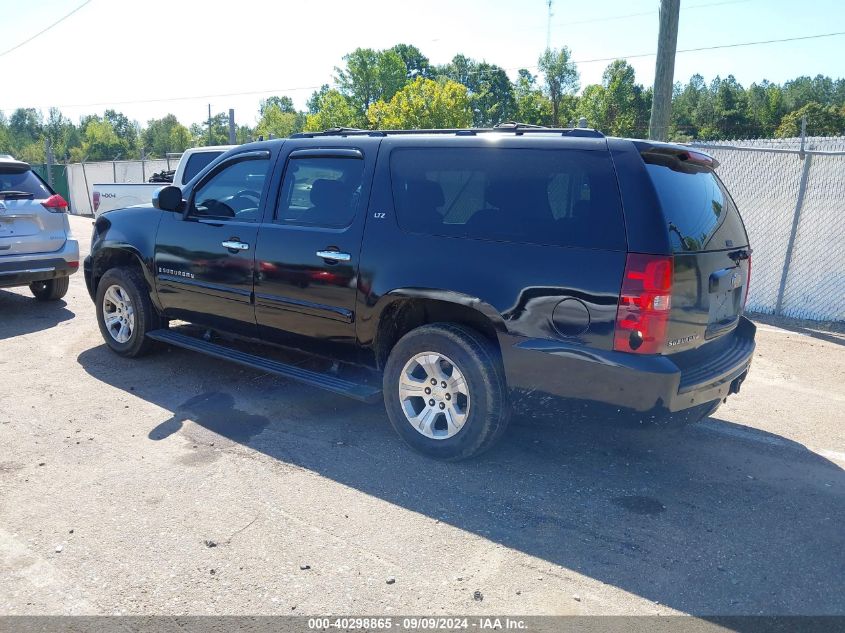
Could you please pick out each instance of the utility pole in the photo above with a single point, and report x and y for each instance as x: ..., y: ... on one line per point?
x: 549, y: 26
x: 209, y: 124
x: 48, y: 155
x: 231, y: 126
x: 664, y: 70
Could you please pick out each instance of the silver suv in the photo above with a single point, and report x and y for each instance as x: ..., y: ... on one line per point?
x: 36, y: 248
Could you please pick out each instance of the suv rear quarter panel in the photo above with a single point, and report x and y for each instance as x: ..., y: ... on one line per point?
x: 517, y: 284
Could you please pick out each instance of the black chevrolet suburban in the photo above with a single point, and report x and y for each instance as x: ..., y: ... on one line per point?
x: 451, y: 267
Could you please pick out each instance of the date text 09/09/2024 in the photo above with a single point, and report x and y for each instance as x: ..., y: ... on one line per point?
x: 417, y: 623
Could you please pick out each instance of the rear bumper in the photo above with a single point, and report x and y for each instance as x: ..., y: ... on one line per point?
x: 22, y: 270
x: 641, y: 383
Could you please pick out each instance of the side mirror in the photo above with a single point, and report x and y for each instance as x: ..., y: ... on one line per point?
x: 168, y: 199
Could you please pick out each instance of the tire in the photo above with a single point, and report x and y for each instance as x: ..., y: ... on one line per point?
x: 123, y: 293
x: 479, y: 416
x: 50, y: 289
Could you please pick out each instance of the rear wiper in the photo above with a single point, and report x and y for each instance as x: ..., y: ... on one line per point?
x: 16, y: 194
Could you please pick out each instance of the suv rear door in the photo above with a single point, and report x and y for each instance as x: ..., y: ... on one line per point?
x: 709, y: 244
x: 26, y: 225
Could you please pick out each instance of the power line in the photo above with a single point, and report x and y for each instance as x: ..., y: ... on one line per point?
x: 711, y: 48
x: 44, y: 30
x: 608, y: 18
x: 644, y: 13
x: 476, y: 72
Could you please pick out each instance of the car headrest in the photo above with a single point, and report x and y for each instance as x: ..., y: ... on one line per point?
x: 499, y: 194
x: 325, y: 192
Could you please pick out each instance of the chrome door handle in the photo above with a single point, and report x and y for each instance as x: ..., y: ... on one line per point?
x: 235, y: 246
x: 334, y: 255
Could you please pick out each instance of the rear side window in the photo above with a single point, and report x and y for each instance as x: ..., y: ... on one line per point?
x: 321, y: 191
x: 196, y: 163
x: 24, y: 181
x: 699, y: 212
x: 557, y: 197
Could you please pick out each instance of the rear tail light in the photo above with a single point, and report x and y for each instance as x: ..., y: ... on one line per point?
x: 644, y: 303
x: 95, y: 199
x: 55, y: 204
x: 73, y: 264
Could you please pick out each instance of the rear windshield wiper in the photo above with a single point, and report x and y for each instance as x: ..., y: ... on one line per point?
x: 17, y: 194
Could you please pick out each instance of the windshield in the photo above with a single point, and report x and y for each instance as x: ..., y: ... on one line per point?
x: 22, y: 184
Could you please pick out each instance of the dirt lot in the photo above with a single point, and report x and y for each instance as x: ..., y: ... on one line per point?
x: 179, y: 484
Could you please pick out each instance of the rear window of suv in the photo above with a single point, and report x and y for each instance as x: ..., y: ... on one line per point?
x: 196, y: 163
x: 26, y: 181
x: 561, y: 197
x: 700, y: 214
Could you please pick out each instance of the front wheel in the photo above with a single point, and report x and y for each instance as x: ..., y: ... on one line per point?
x: 50, y: 289
x: 445, y: 391
x: 125, y: 313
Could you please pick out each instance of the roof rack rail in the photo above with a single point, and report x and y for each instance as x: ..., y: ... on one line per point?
x: 516, y: 128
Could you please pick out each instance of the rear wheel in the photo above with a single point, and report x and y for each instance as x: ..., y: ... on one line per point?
x: 125, y: 313
x: 445, y: 391
x: 50, y: 289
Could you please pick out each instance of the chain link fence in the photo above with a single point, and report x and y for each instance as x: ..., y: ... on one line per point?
x: 791, y: 194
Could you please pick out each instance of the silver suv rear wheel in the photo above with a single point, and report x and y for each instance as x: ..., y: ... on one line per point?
x: 445, y: 390
x: 434, y: 395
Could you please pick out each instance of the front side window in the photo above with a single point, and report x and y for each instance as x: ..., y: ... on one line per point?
x: 563, y: 197
x: 321, y: 191
x: 234, y: 193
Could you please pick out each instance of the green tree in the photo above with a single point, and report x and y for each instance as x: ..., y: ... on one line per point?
x: 416, y: 64
x: 5, y: 140
x: 279, y: 121
x: 370, y: 76
x: 803, y: 90
x: 731, y: 108
x: 165, y: 135
x: 561, y: 80
x: 313, y: 104
x: 821, y: 121
x: 333, y: 110
x: 618, y: 106
x: 492, y: 96
x: 127, y: 131
x: 25, y: 127
x: 219, y: 134
x: 61, y: 131
x: 765, y: 108
x: 99, y: 142
x: 532, y: 106
x: 283, y: 104
x: 424, y: 104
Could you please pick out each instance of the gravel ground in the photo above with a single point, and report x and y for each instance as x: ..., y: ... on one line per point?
x: 179, y: 484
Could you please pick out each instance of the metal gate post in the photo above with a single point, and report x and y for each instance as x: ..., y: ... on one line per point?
x: 796, y: 218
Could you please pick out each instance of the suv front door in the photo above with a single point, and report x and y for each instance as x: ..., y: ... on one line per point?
x: 307, y: 254
x: 205, y: 259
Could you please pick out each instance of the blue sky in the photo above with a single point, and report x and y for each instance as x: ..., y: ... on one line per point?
x: 116, y: 51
